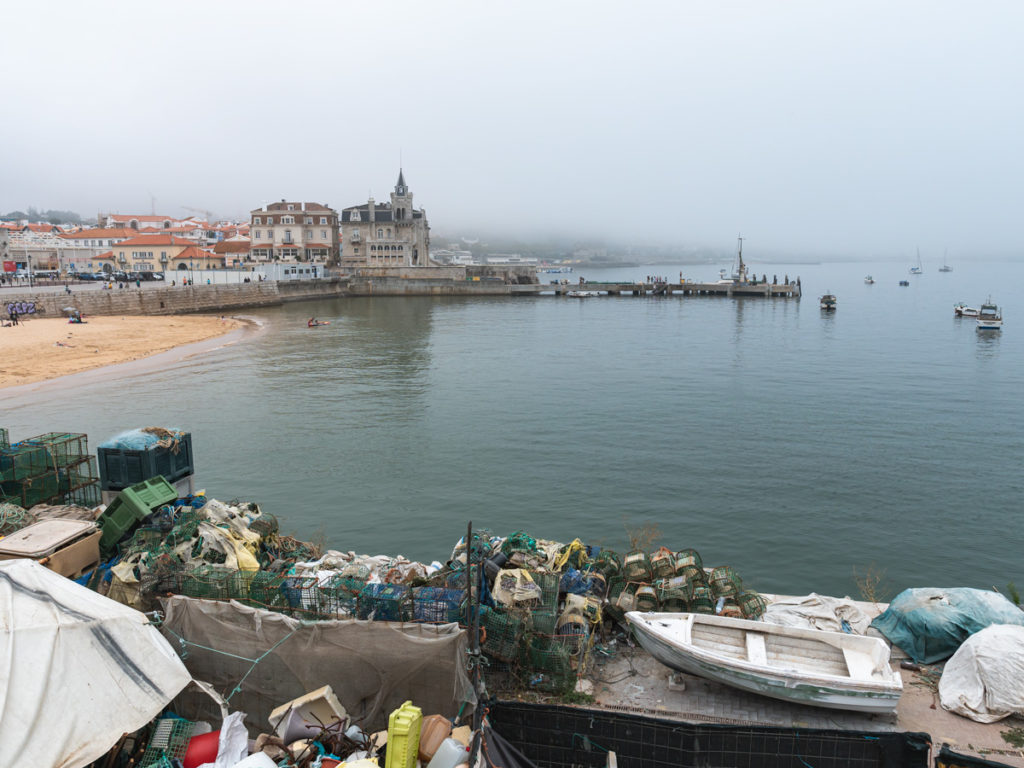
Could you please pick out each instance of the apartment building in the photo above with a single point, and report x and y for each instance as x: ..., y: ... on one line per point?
x: 294, y: 232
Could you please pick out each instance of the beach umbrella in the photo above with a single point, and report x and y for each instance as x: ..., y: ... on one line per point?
x: 81, y: 669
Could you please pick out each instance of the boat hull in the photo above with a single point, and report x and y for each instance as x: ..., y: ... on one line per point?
x: 776, y: 684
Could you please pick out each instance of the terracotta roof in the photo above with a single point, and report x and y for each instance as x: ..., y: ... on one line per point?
x: 155, y: 240
x: 112, y: 232
x: 232, y: 246
x: 192, y: 252
x: 105, y: 255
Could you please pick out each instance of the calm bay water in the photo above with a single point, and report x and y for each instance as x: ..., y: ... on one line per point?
x: 793, y: 445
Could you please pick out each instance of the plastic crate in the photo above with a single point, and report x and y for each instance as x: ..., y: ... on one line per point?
x: 169, y: 742
x: 130, y: 506
x: 404, y: 736
x: 121, y: 468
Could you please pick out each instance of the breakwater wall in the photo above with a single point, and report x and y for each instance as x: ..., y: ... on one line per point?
x: 179, y: 300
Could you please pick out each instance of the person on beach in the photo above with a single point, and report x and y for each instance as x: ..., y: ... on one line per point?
x: 14, y: 316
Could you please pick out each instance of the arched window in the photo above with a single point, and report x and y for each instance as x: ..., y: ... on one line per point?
x: 380, y: 232
x: 389, y: 231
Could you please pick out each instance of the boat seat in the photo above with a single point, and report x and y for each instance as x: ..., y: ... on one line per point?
x: 756, y: 652
x: 859, y: 664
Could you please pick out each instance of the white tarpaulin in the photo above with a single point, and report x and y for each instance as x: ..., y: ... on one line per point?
x: 984, y: 680
x: 79, y: 670
x: 817, y: 612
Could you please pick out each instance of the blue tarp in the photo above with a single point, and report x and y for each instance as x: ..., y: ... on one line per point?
x: 930, y: 624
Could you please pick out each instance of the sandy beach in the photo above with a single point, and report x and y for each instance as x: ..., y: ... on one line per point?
x: 39, y: 349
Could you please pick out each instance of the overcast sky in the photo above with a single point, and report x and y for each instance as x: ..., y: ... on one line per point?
x: 865, y: 128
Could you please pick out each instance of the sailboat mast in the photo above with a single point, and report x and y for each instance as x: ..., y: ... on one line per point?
x: 742, y: 269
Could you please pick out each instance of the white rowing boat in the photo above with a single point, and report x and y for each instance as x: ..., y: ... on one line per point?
x: 805, y: 666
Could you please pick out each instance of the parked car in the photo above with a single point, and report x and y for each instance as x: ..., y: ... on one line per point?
x: 157, y: 275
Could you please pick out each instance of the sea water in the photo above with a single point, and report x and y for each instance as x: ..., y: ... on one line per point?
x: 806, y: 449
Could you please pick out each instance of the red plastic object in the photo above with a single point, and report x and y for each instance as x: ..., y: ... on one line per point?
x: 201, y: 749
x: 328, y: 762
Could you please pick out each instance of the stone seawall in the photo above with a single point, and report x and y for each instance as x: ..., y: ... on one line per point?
x: 179, y: 300
x: 183, y: 300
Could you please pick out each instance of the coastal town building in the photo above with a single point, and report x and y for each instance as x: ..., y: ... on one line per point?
x: 160, y: 253
x: 139, y: 222
x: 294, y: 232
x: 392, y: 234
x: 234, y: 250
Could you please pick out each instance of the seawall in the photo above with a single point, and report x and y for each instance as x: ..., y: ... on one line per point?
x: 182, y: 300
x: 179, y: 300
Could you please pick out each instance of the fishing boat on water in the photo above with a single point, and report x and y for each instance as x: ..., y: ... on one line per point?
x: 990, y: 318
x: 806, y: 666
x: 582, y: 294
x: 869, y: 280
x: 962, y: 310
x: 828, y: 302
x: 904, y: 282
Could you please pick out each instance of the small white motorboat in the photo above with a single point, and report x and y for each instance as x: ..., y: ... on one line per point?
x: 582, y: 294
x: 869, y: 280
x: 828, y: 302
x: 962, y: 310
x: 804, y: 666
x: 990, y: 318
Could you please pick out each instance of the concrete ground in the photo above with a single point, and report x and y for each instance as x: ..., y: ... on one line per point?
x: 632, y: 681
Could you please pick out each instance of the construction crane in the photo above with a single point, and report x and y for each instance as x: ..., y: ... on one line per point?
x: 210, y: 219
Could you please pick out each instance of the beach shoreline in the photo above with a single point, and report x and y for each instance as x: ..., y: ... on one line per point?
x: 40, y: 351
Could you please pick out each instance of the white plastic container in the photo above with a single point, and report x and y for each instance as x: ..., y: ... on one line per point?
x: 450, y: 754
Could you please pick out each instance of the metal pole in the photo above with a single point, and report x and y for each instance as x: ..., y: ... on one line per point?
x: 474, y: 622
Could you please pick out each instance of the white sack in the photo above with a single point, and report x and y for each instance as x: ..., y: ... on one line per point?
x: 79, y: 670
x: 984, y: 680
x: 817, y: 612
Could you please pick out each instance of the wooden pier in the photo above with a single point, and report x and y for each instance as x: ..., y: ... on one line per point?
x: 687, y: 288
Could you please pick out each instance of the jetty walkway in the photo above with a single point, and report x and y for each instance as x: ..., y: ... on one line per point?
x: 686, y: 288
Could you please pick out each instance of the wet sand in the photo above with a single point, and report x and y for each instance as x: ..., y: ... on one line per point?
x: 45, y: 348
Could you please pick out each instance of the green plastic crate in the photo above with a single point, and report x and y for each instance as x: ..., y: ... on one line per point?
x: 130, y: 506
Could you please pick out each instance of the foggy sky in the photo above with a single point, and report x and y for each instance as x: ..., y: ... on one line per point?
x: 862, y: 128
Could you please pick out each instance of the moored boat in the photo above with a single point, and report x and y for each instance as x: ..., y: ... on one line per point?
x: 805, y: 666
x: 904, y: 282
x: 869, y: 280
x: 962, y: 310
x: 582, y: 294
x: 990, y: 318
x: 918, y: 269
x: 828, y: 302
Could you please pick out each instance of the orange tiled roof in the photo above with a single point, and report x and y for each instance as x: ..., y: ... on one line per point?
x: 155, y: 240
x: 110, y: 232
x: 232, y: 246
